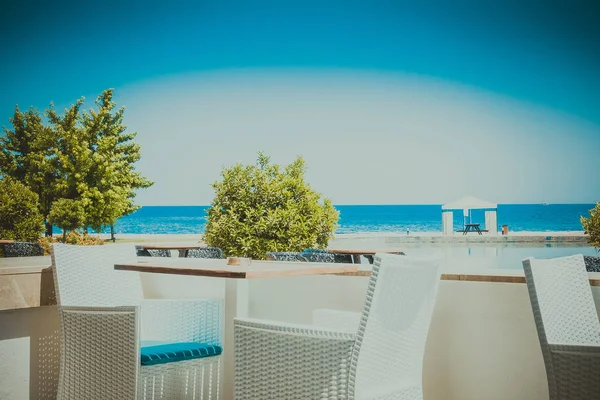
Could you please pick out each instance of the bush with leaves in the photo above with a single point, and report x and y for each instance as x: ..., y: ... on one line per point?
x: 47, y: 241
x: 592, y: 226
x: 73, y: 237
x: 83, y: 239
x: 264, y: 207
x: 67, y: 214
x: 20, y: 218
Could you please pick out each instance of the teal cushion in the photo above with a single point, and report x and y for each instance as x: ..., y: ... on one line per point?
x: 172, y: 352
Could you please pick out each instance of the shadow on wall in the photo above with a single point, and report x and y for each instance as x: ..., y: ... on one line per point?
x: 32, y: 331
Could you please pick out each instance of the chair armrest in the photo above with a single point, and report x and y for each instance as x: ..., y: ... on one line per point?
x: 285, y: 361
x: 99, y: 349
x: 310, y: 331
x: 182, y: 320
x: 334, y: 319
x: 576, y: 369
x: 589, y: 350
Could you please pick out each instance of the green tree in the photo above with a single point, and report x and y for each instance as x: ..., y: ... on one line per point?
x: 67, y: 214
x: 72, y: 152
x: 592, y: 226
x: 263, y: 207
x: 97, y: 161
x: 20, y: 218
x: 28, y: 154
x: 84, y: 156
x: 110, y: 180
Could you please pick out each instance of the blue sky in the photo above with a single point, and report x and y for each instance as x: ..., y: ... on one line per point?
x: 526, y: 66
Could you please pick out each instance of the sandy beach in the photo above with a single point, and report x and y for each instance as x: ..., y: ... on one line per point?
x: 383, y: 237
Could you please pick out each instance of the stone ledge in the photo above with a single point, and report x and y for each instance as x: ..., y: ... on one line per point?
x: 574, y: 239
x: 26, y: 290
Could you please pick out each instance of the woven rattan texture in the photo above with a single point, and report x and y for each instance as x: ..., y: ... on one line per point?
x: 22, y: 249
x: 290, y: 363
x: 592, y: 264
x: 318, y: 257
x: 107, y: 334
x: 142, y: 252
x: 103, y: 317
x: 285, y: 256
x: 86, y: 276
x: 205, y: 252
x: 390, y: 345
x: 182, y: 320
x: 376, y: 355
x: 564, y: 298
x: 199, y: 380
x: 567, y: 325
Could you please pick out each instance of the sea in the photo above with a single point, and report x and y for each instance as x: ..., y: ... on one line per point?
x: 371, y: 218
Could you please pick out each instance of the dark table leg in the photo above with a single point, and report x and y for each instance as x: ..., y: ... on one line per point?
x: 356, y: 258
x: 183, y: 252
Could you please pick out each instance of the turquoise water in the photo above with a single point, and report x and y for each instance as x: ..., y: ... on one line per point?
x: 371, y: 218
x: 465, y: 257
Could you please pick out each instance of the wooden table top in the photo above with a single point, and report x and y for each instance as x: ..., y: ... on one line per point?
x: 362, y: 251
x: 173, y: 246
x: 6, y: 241
x: 183, y: 266
x: 273, y: 269
x: 220, y: 269
x: 490, y: 276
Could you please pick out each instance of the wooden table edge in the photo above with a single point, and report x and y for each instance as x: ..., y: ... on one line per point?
x: 351, y: 270
x: 241, y: 274
x: 472, y: 277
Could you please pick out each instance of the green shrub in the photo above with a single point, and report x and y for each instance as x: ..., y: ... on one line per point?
x: 20, y: 218
x: 264, y: 207
x: 67, y: 214
x: 73, y: 237
x: 592, y: 226
x: 83, y: 239
x: 46, y: 242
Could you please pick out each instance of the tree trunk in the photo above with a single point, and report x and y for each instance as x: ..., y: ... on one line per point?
x: 48, y: 229
x: 112, y: 233
x: 64, y: 235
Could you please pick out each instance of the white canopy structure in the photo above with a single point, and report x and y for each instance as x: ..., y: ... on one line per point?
x: 467, y: 204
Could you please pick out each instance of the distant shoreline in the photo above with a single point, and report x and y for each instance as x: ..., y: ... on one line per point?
x: 390, y: 237
x: 367, y: 220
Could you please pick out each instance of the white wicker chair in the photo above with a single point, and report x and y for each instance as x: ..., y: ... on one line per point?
x: 374, y: 355
x: 567, y: 325
x: 103, y: 318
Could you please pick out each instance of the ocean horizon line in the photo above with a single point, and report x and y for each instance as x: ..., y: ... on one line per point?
x: 391, y: 204
x: 362, y: 218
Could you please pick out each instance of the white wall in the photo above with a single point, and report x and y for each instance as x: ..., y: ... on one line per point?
x: 29, y: 353
x: 491, y: 222
x: 448, y: 223
x: 482, y: 343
